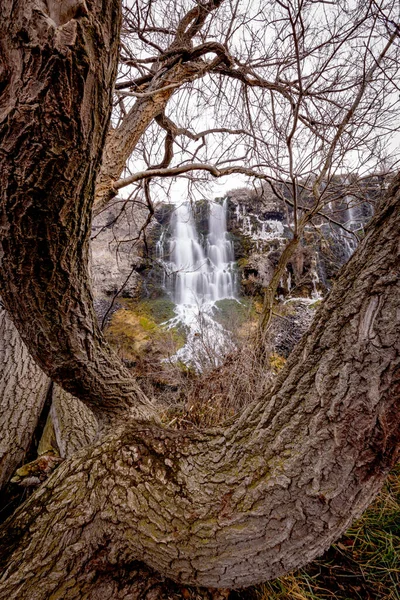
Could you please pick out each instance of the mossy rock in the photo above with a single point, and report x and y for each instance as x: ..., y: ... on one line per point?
x: 230, y: 312
x: 138, y: 330
x: 163, y: 213
x: 147, y: 324
x: 158, y: 309
x: 201, y: 211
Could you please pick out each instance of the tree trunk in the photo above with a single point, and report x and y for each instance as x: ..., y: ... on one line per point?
x: 23, y: 391
x: 234, y: 507
x: 53, y: 121
x: 270, y: 292
x: 225, y: 508
x: 74, y: 424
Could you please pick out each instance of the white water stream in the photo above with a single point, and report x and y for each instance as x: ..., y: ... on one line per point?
x: 200, y: 275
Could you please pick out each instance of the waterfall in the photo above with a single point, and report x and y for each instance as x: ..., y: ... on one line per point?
x: 201, y: 273
x: 351, y: 222
x: 188, y: 260
x: 220, y: 254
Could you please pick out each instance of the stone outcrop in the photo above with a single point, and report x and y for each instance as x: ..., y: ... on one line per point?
x: 117, y: 251
x: 261, y: 224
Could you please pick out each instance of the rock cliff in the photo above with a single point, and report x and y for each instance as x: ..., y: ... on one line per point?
x: 259, y: 224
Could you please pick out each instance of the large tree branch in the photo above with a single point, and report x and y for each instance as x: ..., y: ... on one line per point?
x: 44, y: 268
x: 122, y: 141
x: 74, y: 425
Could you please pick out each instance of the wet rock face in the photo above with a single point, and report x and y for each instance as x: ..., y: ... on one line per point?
x: 201, y: 212
x: 263, y: 202
x: 162, y: 214
x: 256, y: 273
x: 123, y: 263
x: 261, y: 224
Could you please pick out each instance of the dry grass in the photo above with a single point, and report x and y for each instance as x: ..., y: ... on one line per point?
x: 210, y: 398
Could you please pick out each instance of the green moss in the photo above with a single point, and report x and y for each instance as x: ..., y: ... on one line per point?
x: 315, y: 304
x: 242, y: 262
x: 230, y: 312
x: 179, y: 336
x: 158, y: 309
x: 147, y: 324
x: 138, y: 329
x: 188, y: 370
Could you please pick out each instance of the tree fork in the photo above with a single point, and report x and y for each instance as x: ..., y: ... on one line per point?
x: 226, y: 508
x: 233, y: 507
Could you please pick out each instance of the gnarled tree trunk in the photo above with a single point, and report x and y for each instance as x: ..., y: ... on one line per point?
x: 53, y: 121
x: 23, y: 392
x: 224, y: 508
x: 233, y: 507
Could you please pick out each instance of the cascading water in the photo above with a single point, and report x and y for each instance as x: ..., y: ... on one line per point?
x: 220, y: 254
x: 200, y: 275
x: 352, y: 224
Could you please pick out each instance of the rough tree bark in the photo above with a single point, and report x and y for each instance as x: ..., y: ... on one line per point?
x: 74, y: 424
x: 23, y: 390
x: 224, y: 508
x: 54, y: 113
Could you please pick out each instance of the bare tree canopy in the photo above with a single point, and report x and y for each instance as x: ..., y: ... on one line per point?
x: 292, y: 95
x: 227, y: 507
x: 287, y: 92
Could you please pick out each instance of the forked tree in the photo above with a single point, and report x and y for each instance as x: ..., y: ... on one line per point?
x: 223, y: 508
